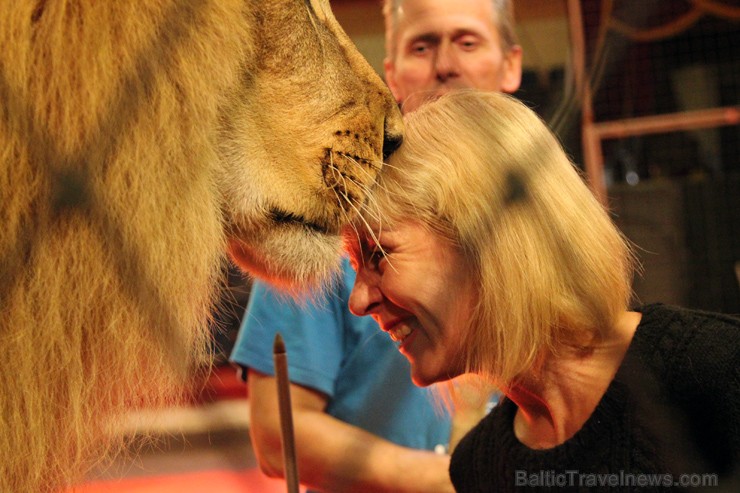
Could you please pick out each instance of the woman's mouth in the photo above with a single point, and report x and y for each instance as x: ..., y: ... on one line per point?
x: 400, y: 332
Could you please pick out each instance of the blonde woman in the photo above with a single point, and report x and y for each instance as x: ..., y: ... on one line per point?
x: 486, y: 253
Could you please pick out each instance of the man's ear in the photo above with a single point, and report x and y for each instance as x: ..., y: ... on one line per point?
x: 390, y: 78
x: 512, y: 73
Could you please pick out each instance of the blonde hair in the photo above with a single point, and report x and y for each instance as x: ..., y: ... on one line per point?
x: 503, y: 20
x: 482, y: 170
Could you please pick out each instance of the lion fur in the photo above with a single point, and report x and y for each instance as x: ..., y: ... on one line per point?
x: 139, y: 141
x: 134, y: 135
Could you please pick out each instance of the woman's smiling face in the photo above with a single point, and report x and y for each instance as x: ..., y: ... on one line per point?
x: 419, y: 288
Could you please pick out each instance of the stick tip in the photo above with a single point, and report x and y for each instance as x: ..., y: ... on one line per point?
x: 278, y: 347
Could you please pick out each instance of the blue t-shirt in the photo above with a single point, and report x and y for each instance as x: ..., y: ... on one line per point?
x: 348, y: 358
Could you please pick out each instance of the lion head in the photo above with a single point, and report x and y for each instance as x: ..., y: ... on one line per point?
x: 139, y: 141
x: 287, y: 202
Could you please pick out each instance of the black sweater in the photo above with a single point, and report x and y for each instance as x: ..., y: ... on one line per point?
x: 673, y: 408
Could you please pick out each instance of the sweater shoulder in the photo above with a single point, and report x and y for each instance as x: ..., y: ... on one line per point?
x: 688, y: 343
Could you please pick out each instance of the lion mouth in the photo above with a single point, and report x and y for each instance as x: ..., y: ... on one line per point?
x: 284, y: 217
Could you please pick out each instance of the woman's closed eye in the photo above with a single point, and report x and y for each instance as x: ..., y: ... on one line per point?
x: 375, y: 255
x: 378, y: 254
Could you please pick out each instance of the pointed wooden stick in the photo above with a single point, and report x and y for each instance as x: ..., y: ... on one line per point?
x: 290, y: 462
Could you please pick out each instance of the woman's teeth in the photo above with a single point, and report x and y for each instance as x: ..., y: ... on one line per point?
x: 400, y: 332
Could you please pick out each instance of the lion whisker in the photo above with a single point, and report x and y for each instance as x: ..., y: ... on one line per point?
x: 335, y: 170
x: 375, y: 238
x: 316, y: 29
x: 365, y: 209
x: 364, y: 188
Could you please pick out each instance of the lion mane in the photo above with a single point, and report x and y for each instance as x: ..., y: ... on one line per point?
x: 139, y: 142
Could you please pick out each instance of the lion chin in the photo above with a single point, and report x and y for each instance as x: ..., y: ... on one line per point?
x: 295, y: 257
x: 140, y: 140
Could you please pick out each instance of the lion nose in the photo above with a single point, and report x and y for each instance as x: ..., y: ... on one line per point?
x: 390, y: 144
x: 392, y: 127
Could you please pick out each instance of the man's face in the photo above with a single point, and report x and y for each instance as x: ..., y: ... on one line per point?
x: 443, y: 45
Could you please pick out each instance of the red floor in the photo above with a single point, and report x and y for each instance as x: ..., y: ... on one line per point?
x: 217, y: 461
x: 249, y: 481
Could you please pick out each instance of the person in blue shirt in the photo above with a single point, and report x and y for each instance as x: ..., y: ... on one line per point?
x: 360, y: 422
x: 353, y: 399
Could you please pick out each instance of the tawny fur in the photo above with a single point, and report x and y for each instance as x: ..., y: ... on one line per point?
x: 118, y: 196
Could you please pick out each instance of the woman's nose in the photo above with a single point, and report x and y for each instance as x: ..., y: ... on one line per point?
x: 365, y: 296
